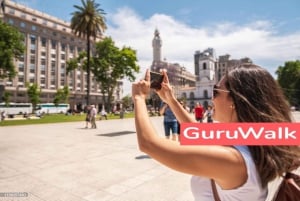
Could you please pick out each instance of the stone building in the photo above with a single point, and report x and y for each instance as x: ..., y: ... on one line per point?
x: 209, y: 70
x: 49, y: 43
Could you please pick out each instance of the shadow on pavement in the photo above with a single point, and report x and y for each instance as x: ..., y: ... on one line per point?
x: 142, y: 157
x: 114, y: 134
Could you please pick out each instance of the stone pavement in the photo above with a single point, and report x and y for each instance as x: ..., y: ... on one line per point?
x: 66, y: 162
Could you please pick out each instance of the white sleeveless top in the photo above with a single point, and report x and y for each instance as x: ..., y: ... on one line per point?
x: 250, y: 190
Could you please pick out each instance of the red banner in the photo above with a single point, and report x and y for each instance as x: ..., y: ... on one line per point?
x: 240, y: 134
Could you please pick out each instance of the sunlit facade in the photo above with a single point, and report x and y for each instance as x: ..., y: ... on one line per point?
x: 49, y: 43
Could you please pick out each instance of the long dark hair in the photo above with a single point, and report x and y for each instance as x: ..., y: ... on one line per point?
x: 258, y: 98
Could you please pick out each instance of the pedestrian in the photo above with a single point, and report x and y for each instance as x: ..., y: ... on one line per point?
x: 241, y: 173
x: 3, y: 115
x: 103, y: 114
x: 170, y: 122
x: 199, y: 111
x: 93, y: 116
x: 88, y: 116
x: 209, y: 114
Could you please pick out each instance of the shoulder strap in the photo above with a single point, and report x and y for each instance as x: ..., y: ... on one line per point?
x: 214, y: 190
x: 290, y: 175
x: 291, y: 178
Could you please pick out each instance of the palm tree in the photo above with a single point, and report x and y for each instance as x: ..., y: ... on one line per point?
x: 88, y: 21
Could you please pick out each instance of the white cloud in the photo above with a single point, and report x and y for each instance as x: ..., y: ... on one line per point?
x: 258, y: 40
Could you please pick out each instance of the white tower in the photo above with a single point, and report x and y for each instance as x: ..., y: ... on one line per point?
x: 205, y: 71
x: 156, y: 44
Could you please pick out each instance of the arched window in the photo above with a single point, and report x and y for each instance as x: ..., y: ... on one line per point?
x: 204, y: 66
x: 183, y: 95
x: 205, y: 94
x: 192, y: 95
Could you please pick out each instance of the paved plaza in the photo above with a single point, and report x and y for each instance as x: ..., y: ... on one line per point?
x: 66, y: 162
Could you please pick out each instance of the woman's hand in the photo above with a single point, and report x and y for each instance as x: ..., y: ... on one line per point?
x: 166, y: 91
x: 141, y: 89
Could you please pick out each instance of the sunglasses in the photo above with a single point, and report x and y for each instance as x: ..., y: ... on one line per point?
x: 216, y: 91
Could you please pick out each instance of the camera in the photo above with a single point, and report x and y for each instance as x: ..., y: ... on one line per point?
x: 156, y: 80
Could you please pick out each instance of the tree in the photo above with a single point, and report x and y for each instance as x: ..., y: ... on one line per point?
x: 11, y: 47
x: 61, y: 96
x: 110, y: 65
x: 127, y: 102
x: 88, y: 21
x: 289, y: 79
x: 33, y: 93
x: 6, y: 98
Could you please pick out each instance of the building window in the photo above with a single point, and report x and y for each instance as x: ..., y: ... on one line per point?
x: 52, y: 80
x: 32, y: 68
x: 204, y: 66
x: 21, y: 67
x: 32, y: 39
x: 33, y: 28
x: 63, y: 47
x: 21, y: 58
x: 192, y: 96
x: 21, y: 78
x: 53, y: 44
x: 12, y: 11
x: 72, y: 49
x: 32, y: 59
x: 43, y: 80
x: 10, y: 21
x: 22, y: 24
x: 43, y: 69
x: 43, y: 61
x: 31, y: 79
x: 205, y: 94
x: 44, y: 42
x: 32, y: 49
x: 21, y: 94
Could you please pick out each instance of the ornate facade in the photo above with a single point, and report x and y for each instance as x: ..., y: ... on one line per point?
x: 49, y: 43
x: 196, y: 87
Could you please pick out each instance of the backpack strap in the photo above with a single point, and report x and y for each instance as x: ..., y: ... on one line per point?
x: 293, y: 179
x: 290, y: 175
x: 214, y: 190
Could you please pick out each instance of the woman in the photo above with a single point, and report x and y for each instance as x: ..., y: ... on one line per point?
x: 246, y: 94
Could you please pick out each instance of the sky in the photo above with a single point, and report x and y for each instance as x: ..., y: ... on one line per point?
x: 266, y: 31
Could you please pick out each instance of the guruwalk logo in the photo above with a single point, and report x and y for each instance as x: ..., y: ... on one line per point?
x: 240, y: 134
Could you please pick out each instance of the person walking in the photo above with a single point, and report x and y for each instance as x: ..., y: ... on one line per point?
x: 240, y: 173
x: 199, y: 111
x: 170, y: 122
x: 103, y: 114
x: 93, y: 116
x: 88, y: 116
x: 209, y: 114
